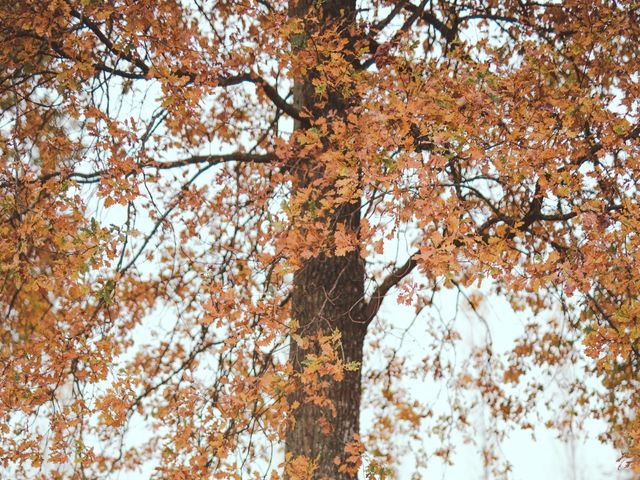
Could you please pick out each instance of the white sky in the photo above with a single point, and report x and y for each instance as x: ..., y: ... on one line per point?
x: 531, y: 459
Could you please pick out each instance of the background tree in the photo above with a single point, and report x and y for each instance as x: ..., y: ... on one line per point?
x: 264, y: 157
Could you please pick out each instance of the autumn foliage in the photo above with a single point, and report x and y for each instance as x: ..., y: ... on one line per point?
x: 204, y: 205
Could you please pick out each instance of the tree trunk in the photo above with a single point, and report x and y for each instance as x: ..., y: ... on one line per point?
x: 328, y: 290
x: 325, y: 291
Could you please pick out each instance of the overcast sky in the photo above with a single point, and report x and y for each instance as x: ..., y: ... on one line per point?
x: 544, y: 457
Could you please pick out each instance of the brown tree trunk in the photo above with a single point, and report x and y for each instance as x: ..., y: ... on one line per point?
x: 325, y: 291
x: 328, y: 290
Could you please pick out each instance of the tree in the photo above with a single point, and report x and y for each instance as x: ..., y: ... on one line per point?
x: 264, y: 156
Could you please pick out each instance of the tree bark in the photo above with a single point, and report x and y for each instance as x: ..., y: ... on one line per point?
x: 325, y: 291
x: 328, y: 290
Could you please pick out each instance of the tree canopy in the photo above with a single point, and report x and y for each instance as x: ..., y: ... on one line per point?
x: 205, y: 204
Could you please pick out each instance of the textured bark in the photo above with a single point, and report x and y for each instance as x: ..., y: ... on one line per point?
x: 328, y: 292
x: 325, y: 292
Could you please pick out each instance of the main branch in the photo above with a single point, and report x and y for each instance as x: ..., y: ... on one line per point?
x: 372, y: 307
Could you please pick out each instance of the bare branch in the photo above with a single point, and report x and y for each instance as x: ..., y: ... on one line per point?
x: 215, y: 159
x: 373, y: 305
x: 270, y: 91
x: 447, y: 32
x: 194, y: 160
